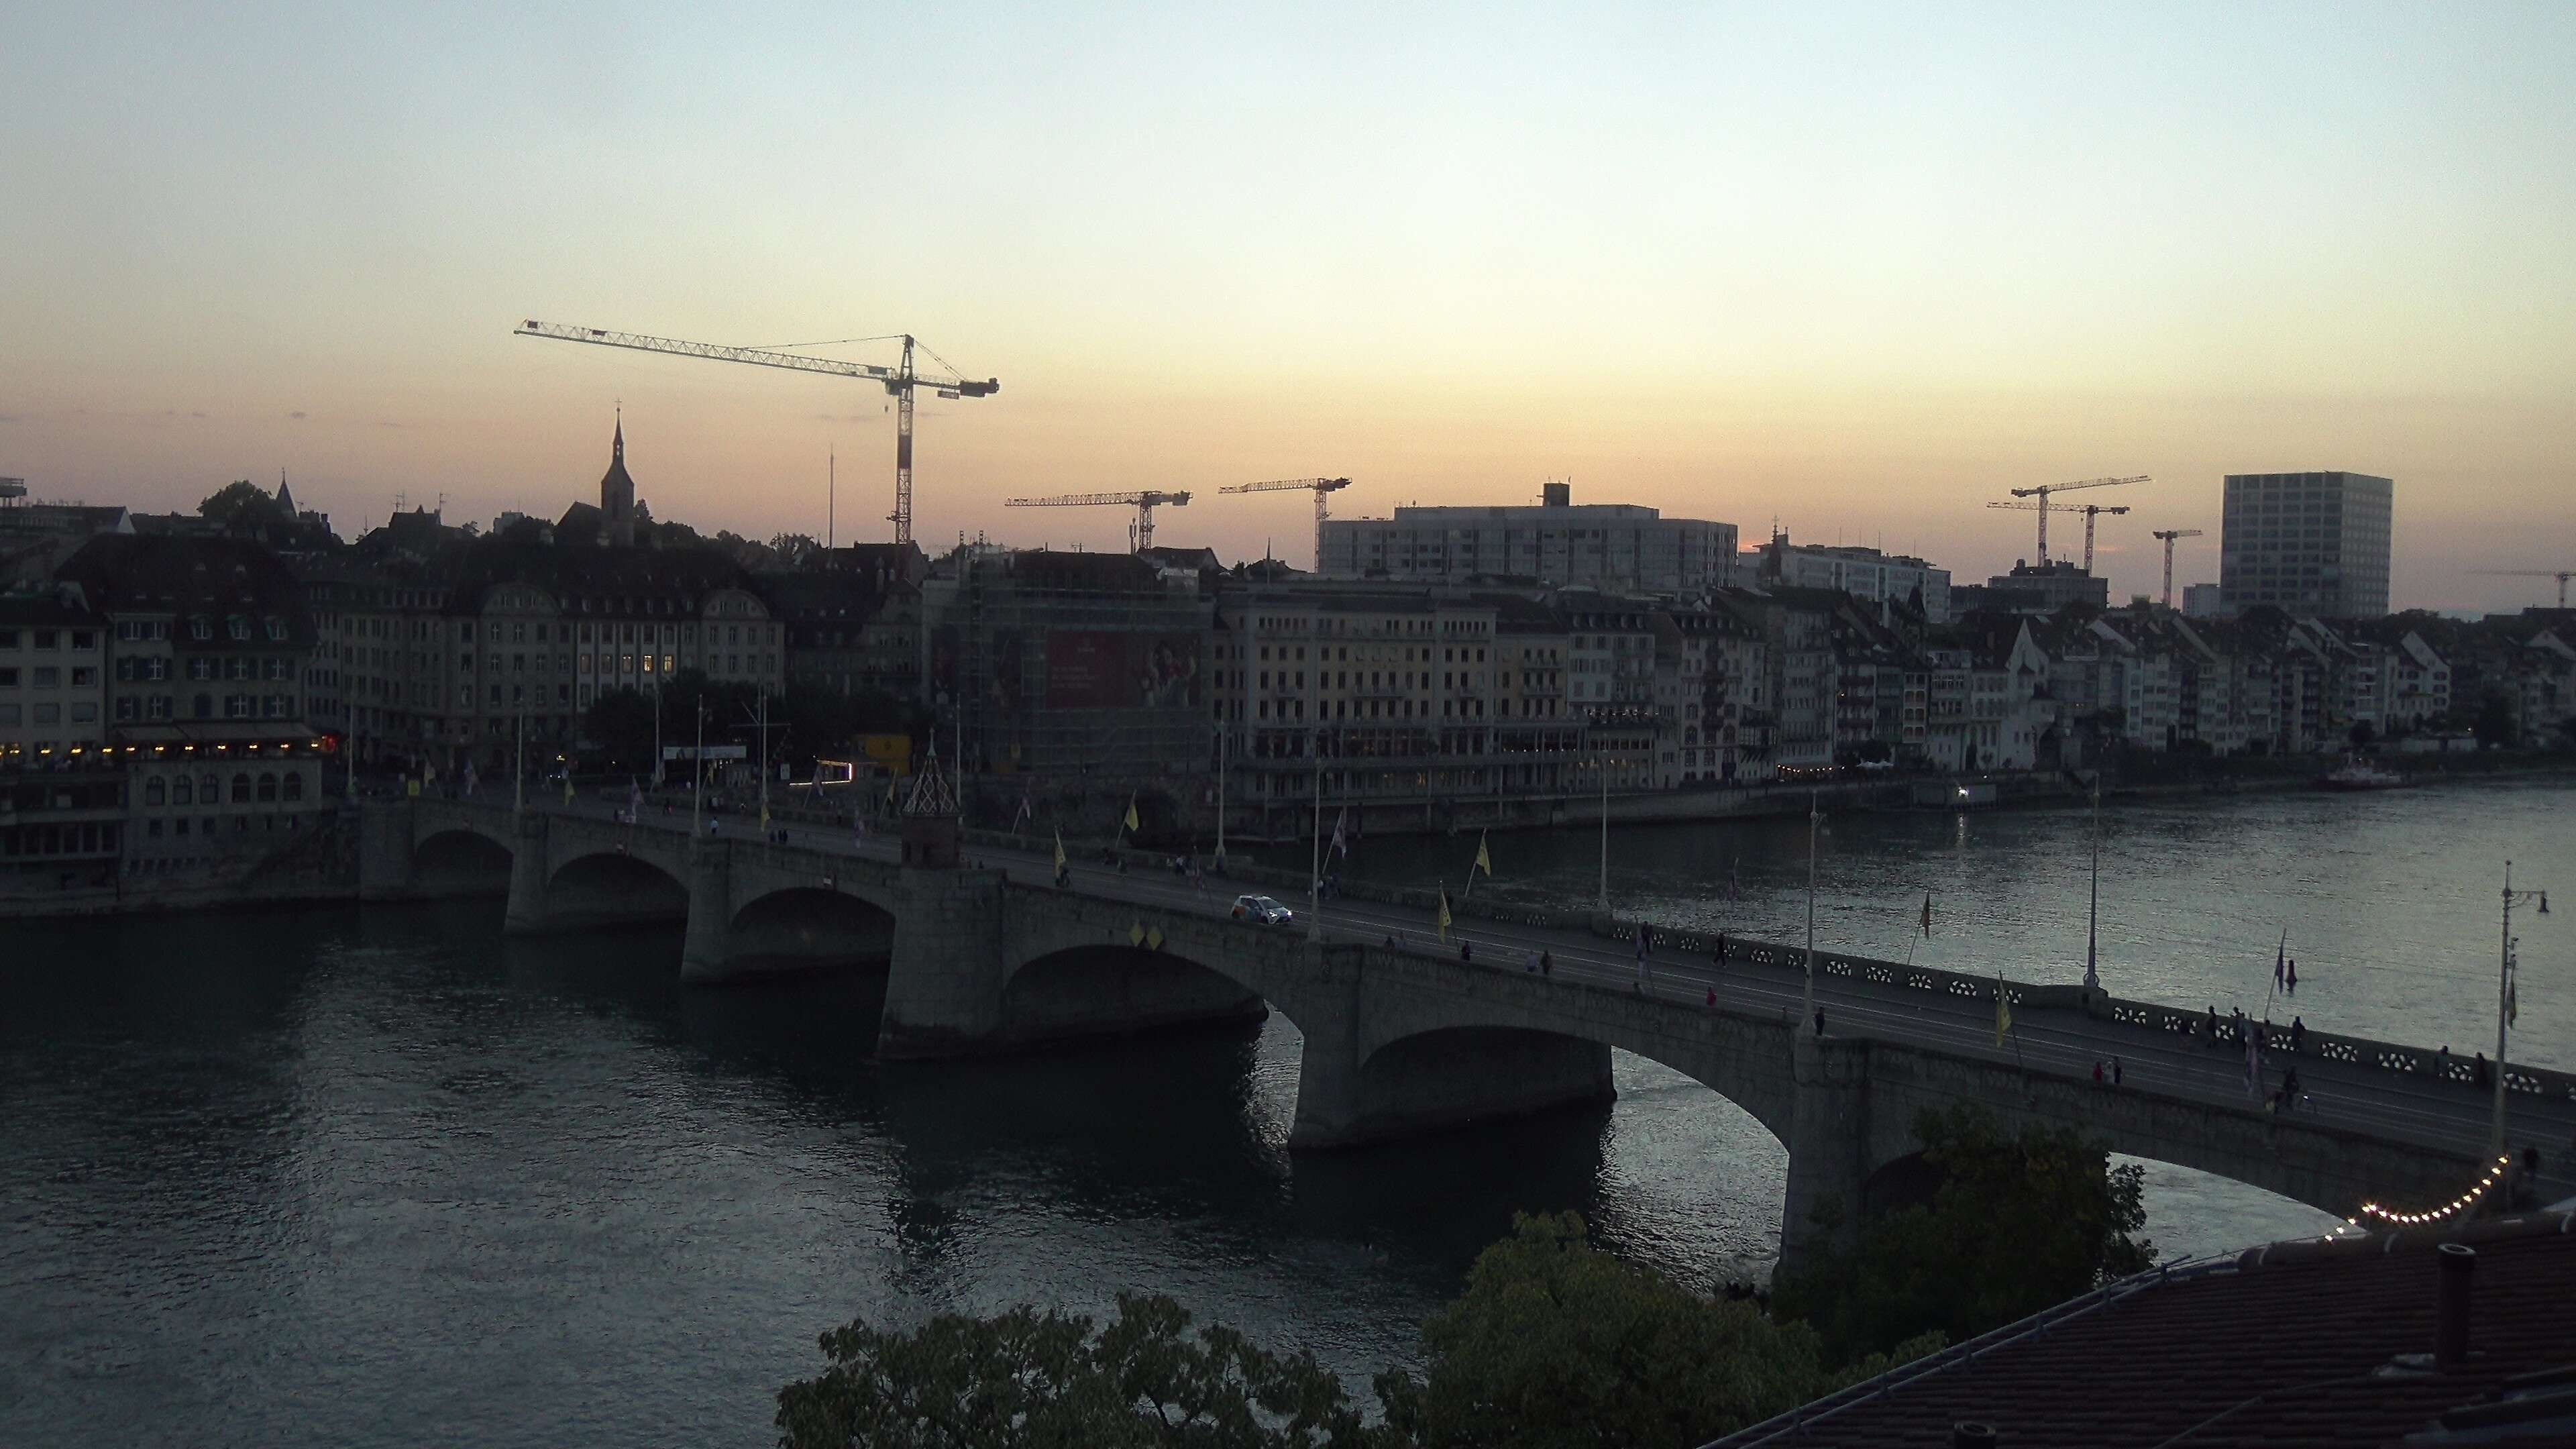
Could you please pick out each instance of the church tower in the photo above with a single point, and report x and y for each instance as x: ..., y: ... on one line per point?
x: 617, y: 493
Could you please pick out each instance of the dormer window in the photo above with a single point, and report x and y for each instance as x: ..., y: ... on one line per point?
x: 277, y: 630
x: 237, y: 627
x: 201, y: 629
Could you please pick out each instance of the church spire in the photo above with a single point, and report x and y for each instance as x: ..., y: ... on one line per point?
x: 617, y: 445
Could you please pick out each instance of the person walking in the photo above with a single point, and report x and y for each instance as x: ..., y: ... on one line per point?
x: 1546, y: 963
x: 2298, y: 1035
x: 2290, y: 1090
x: 1720, y: 957
x: 1645, y: 945
x: 1529, y: 960
x: 1466, y: 951
x: 2213, y: 1025
x: 2290, y: 985
x: 2478, y: 1077
x: 1820, y: 1021
x: 2097, y: 1071
x: 2118, y: 1075
x: 1712, y: 998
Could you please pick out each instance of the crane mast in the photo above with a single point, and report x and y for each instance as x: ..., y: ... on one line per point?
x: 2169, y: 535
x: 2561, y: 575
x: 1323, y: 489
x: 898, y: 381
x: 1140, y: 534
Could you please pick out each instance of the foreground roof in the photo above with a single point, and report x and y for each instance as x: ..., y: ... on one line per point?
x: 2297, y: 1344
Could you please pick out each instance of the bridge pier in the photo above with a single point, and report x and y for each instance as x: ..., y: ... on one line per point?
x: 1828, y: 1147
x: 528, y: 875
x: 944, y: 982
x: 1350, y: 1095
x: 384, y: 850
x: 707, y: 952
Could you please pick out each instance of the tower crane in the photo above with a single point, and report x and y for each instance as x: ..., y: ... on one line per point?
x: 1322, y: 486
x: 2561, y: 575
x: 2090, y: 511
x: 1140, y: 534
x: 2169, y: 535
x: 899, y: 381
x: 2042, y: 493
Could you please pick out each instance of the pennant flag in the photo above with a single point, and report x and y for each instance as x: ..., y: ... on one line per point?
x: 1927, y: 915
x: 1484, y: 862
x: 2003, y: 1011
x: 1028, y: 809
x: 1444, y: 915
x: 1136, y: 934
x: 1340, y: 844
x: 764, y: 817
x: 1131, y: 810
x: 2281, y: 958
x: 1059, y: 848
x: 2513, y: 996
x: 567, y: 792
x: 1154, y: 939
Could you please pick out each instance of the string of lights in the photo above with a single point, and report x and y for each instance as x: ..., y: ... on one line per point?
x: 2495, y: 1172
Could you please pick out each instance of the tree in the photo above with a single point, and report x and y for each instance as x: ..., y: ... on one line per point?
x: 794, y: 550
x: 2495, y: 725
x: 241, y: 507
x: 1049, y: 1381
x: 2018, y: 1223
x: 1556, y: 1342
x: 620, y: 722
x: 2361, y: 734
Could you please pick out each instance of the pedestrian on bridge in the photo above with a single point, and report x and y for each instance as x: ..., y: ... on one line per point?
x: 1466, y: 950
x: 1717, y: 957
x: 1529, y: 960
x: 2097, y: 1071
x: 2213, y: 1025
x: 2118, y: 1075
x: 1546, y: 963
x: 1820, y: 1023
x: 2298, y: 1035
x: 2478, y: 1076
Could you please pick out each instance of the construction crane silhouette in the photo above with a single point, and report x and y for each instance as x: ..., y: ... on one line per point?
x: 899, y: 381
x: 1323, y: 487
x: 2090, y: 511
x: 1140, y: 534
x: 2169, y: 535
x: 2561, y: 575
x: 2042, y: 493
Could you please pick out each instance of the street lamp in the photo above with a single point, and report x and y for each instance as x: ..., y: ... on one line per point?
x: 1315, y: 866
x: 2093, y: 916
x: 1815, y: 817
x: 1601, y: 765
x: 2504, y: 995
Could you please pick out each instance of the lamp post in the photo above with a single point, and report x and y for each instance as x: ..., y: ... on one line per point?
x: 1815, y: 817
x: 519, y: 768
x: 698, y: 766
x: 1220, y: 790
x: 2504, y: 995
x: 1601, y: 763
x: 2093, y: 915
x: 1315, y: 867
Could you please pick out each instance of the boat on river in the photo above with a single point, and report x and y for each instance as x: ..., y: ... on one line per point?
x: 2356, y: 773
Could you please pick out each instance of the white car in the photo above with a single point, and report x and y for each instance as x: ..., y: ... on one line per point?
x: 1263, y: 910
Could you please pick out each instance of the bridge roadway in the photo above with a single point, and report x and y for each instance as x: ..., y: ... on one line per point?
x: 2356, y: 1100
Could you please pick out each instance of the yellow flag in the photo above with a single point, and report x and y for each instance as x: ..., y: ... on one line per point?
x: 1444, y: 915
x: 1484, y: 862
x: 764, y: 819
x: 567, y: 789
x: 1131, y: 812
x: 2003, y: 1013
x: 1059, y: 848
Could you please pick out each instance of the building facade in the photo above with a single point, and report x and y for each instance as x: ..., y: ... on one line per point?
x: 1615, y: 546
x: 1863, y: 573
x: 2315, y: 545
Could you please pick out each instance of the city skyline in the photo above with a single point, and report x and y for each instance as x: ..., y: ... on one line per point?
x: 1737, y: 268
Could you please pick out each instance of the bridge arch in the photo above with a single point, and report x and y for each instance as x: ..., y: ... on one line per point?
x: 810, y: 925
x: 610, y: 888
x: 1100, y: 987
x: 460, y: 861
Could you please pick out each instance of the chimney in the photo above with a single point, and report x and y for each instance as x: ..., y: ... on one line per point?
x: 1555, y: 495
x: 2451, y: 1304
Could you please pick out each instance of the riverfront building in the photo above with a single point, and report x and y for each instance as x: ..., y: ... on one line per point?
x: 2312, y: 544
x: 1617, y: 546
x: 1863, y: 573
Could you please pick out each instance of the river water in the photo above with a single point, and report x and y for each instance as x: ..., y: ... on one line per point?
x: 334, y: 1177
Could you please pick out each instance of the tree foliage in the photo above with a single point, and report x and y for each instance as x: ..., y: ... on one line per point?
x: 241, y: 506
x: 1026, y: 1380
x: 2018, y: 1223
x: 1556, y: 1342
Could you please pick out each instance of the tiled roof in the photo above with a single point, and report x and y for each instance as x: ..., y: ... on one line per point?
x: 2295, y: 1345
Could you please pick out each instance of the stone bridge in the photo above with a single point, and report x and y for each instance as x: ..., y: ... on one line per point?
x: 1396, y: 1042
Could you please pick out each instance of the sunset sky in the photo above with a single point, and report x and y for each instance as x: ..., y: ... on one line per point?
x: 1856, y: 269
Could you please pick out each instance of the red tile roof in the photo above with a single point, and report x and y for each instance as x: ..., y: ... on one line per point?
x: 2291, y: 1345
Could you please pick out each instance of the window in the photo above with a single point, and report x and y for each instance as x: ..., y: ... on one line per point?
x: 237, y: 706
x: 241, y: 789
x: 201, y: 629
x: 295, y: 785
x: 157, y: 707
x: 43, y: 638
x: 48, y: 676
x: 277, y: 630
x: 237, y: 627
x: 209, y: 790
x: 267, y: 787
x: 128, y: 709
x: 83, y: 675
x: 49, y: 714
x: 9, y: 677
x: 204, y: 707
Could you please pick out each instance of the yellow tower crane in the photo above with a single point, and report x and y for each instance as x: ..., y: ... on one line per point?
x: 1323, y: 488
x: 2169, y: 535
x: 2090, y: 511
x: 1140, y: 534
x: 899, y: 381
x: 2561, y: 575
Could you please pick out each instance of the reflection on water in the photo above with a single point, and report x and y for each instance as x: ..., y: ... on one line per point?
x: 333, y: 1177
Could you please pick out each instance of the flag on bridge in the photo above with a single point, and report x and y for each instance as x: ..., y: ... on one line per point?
x: 1484, y: 862
x: 1027, y: 810
x: 2003, y: 1011
x: 2512, y: 999
x: 1444, y: 915
x: 469, y: 777
x: 1131, y: 811
x: 1059, y: 848
x: 1341, y: 844
x: 2281, y: 960
x: 567, y: 790
x: 1927, y: 915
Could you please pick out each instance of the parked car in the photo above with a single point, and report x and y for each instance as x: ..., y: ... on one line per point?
x: 1262, y: 910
